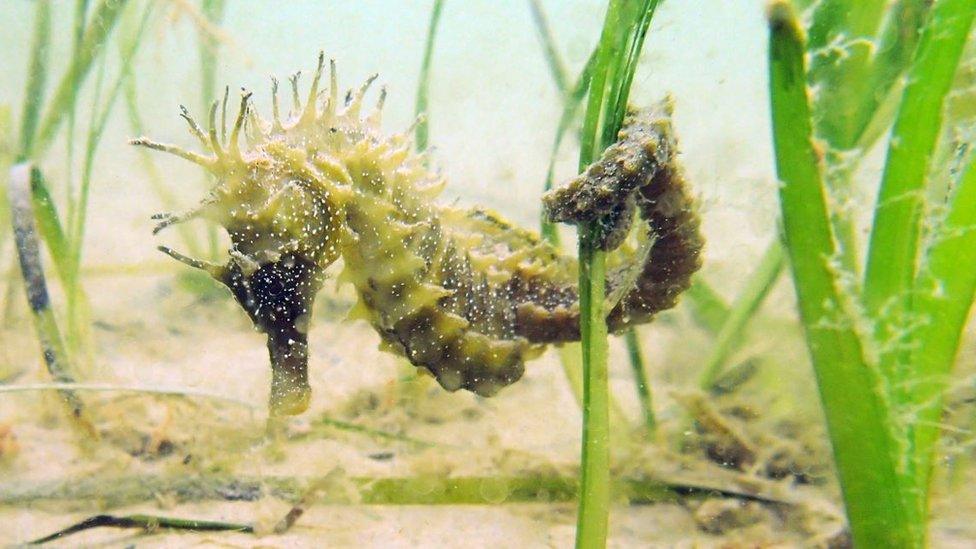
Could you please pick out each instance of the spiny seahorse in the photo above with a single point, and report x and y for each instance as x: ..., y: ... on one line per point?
x: 459, y: 292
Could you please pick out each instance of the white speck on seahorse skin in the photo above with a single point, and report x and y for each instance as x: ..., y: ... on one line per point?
x: 460, y: 292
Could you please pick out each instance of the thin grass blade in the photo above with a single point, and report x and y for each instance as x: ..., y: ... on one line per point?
x: 708, y: 308
x: 557, y: 67
x: 100, y: 25
x: 896, y: 44
x: 594, y: 501
x: 213, y: 11
x: 50, y: 228
x: 37, y: 70
x: 743, y: 309
x: 641, y: 382
x: 423, y: 86
x: 860, y: 47
x: 128, y: 54
x: 944, y: 297
x: 621, y: 40
x: 78, y: 35
x: 894, y: 245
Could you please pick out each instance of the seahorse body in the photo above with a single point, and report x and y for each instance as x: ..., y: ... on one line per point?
x: 461, y: 293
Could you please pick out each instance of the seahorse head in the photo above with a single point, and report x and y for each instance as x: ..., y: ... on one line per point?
x: 281, y: 191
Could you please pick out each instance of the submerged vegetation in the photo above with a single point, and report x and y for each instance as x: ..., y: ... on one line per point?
x: 883, y: 290
x: 883, y: 348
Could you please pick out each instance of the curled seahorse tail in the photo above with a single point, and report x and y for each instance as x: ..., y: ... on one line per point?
x: 672, y: 221
x: 639, y: 172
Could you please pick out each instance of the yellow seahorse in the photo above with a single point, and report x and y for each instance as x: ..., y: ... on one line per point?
x: 461, y: 293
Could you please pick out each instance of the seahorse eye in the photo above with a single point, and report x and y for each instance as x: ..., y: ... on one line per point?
x: 274, y: 288
x: 272, y: 281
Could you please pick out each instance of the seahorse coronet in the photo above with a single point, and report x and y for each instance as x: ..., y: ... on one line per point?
x: 461, y: 293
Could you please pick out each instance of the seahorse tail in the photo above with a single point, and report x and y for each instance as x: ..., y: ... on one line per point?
x: 672, y: 221
x: 639, y: 172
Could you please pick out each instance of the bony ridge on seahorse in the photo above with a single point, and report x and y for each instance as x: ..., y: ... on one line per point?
x: 460, y: 293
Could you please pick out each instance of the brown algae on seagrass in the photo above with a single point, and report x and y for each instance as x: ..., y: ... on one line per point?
x: 459, y: 292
